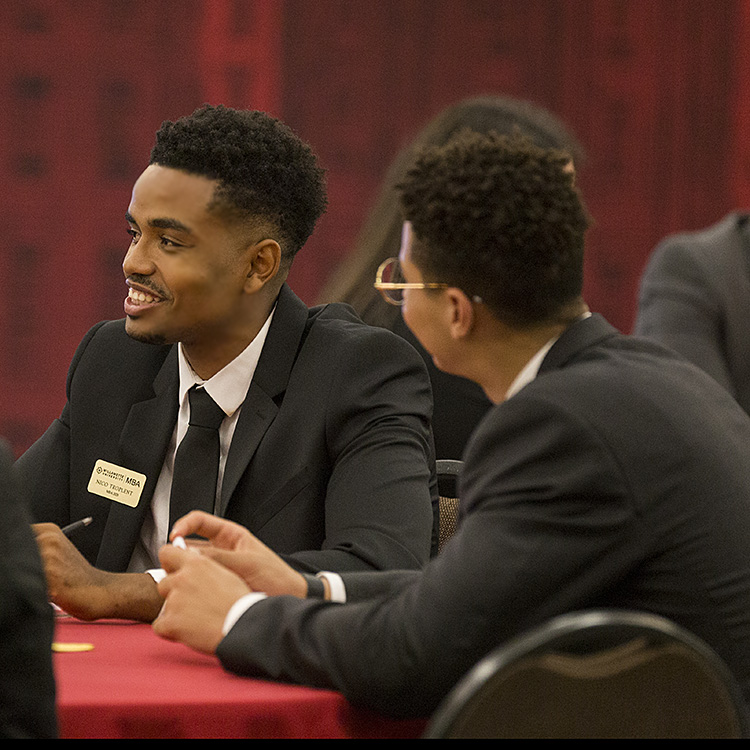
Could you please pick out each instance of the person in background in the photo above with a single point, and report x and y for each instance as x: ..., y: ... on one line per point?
x: 459, y: 404
x: 695, y: 298
x: 27, y: 685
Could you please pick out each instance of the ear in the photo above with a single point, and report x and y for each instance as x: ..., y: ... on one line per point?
x: 264, y: 260
x: 461, y: 313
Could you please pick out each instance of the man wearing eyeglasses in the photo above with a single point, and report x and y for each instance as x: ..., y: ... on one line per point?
x: 611, y: 473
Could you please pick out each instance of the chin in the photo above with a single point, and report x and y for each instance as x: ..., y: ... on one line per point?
x: 144, y: 337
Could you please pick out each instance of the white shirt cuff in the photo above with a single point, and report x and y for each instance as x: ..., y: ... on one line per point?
x: 239, y: 608
x: 335, y: 584
x: 158, y: 574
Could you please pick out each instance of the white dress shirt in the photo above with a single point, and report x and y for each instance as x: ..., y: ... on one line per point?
x: 531, y: 368
x: 228, y: 389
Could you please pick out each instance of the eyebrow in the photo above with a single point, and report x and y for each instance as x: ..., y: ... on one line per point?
x: 161, y: 223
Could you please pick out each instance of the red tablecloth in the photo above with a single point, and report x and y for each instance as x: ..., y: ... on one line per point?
x: 133, y: 684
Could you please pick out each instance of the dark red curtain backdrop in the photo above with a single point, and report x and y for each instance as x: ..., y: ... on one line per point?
x: 657, y: 90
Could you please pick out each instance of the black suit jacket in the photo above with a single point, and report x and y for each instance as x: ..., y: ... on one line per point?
x: 695, y: 298
x: 27, y: 687
x: 330, y: 462
x: 618, y: 478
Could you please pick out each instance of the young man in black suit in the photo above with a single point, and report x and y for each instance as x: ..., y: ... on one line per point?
x: 610, y: 473
x: 321, y: 445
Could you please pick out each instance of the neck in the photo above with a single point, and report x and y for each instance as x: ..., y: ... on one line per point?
x: 505, y: 351
x: 213, y: 351
x: 207, y: 361
x: 505, y: 360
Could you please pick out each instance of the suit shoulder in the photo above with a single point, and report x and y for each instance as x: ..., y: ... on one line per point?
x: 107, y: 347
x: 645, y: 375
x: 112, y: 334
x: 702, y: 245
x: 339, y: 324
x: 110, y: 331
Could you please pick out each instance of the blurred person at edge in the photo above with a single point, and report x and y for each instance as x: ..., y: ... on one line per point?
x: 459, y: 404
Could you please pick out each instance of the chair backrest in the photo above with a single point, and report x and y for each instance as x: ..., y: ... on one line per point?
x: 447, y: 478
x: 597, y: 674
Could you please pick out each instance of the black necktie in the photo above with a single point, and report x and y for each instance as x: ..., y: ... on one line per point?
x: 196, y: 465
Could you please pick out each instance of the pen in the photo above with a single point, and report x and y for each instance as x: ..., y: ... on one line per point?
x: 76, y: 525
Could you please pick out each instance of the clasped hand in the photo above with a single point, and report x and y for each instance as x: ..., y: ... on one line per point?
x: 204, y: 581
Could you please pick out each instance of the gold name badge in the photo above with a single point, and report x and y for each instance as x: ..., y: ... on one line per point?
x: 116, y: 483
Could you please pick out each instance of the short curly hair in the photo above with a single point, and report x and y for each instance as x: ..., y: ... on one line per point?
x: 499, y: 218
x: 263, y: 168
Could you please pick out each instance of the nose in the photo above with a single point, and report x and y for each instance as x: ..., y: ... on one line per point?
x: 138, y: 260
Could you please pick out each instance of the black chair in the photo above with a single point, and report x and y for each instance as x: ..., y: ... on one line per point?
x: 597, y: 674
x: 447, y: 477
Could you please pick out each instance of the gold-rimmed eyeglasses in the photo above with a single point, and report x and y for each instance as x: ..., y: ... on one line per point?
x: 389, y: 281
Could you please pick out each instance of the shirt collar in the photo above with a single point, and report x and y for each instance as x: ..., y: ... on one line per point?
x: 229, y: 386
x: 531, y: 368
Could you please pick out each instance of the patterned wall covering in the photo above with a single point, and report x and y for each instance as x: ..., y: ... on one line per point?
x: 86, y: 83
x: 658, y: 92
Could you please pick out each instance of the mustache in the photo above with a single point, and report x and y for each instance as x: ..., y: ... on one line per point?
x: 145, y: 283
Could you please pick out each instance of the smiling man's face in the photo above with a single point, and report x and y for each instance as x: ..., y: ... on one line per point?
x: 184, y: 268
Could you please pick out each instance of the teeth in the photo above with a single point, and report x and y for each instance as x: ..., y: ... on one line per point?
x: 137, y: 296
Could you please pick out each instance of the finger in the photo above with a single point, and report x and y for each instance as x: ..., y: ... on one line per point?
x: 199, y: 522
x: 219, y: 531
x: 197, y: 544
x: 162, y: 625
x: 172, y: 558
x: 247, y: 566
x: 228, y: 558
x: 42, y: 529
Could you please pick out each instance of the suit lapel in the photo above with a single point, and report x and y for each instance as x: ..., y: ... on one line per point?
x: 270, y: 380
x: 143, y: 444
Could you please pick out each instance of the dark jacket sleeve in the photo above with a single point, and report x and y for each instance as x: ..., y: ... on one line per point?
x: 678, y: 307
x: 517, y: 559
x: 381, y: 499
x: 27, y: 688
